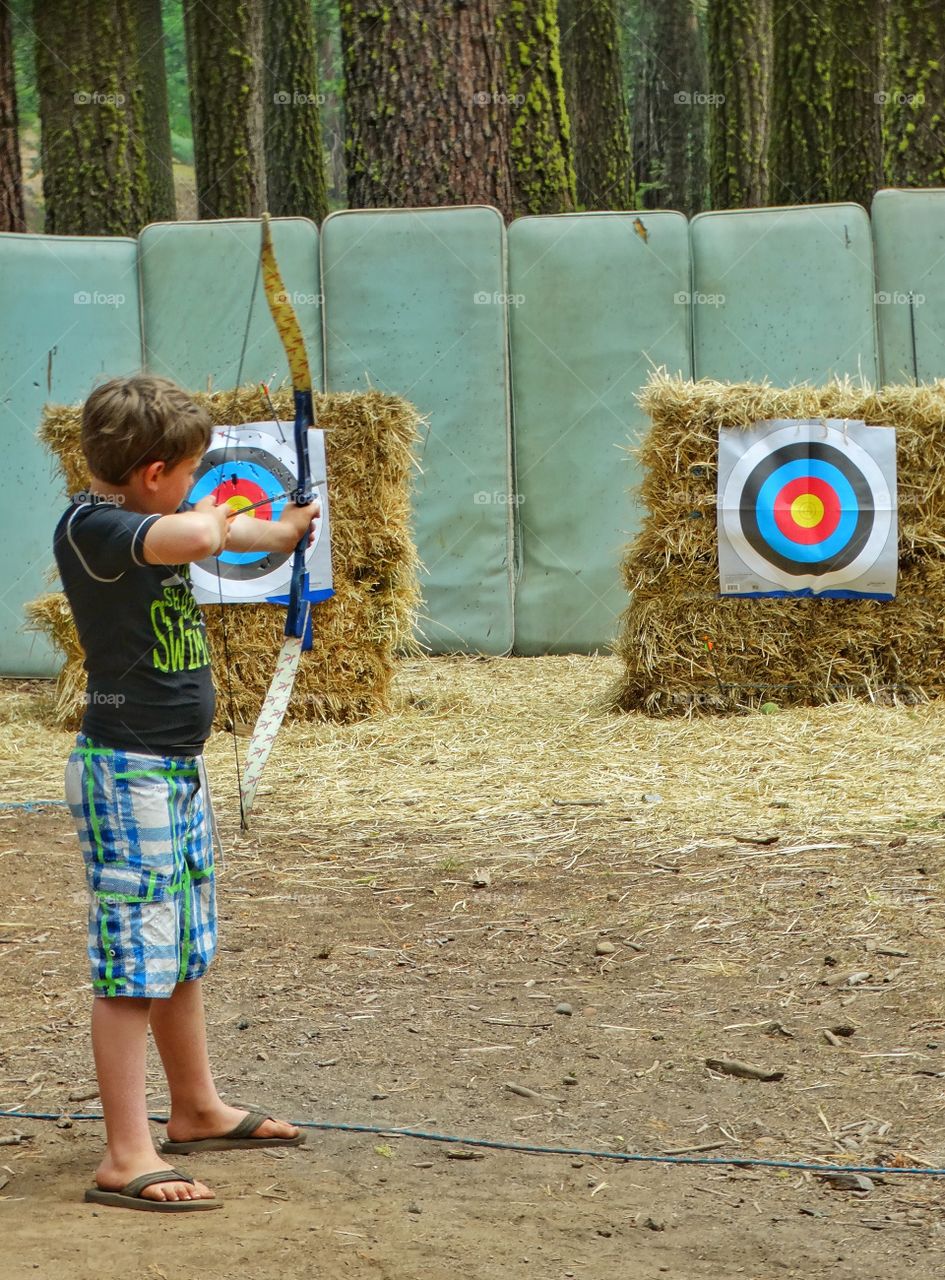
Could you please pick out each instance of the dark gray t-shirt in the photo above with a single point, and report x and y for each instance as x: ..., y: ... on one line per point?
x: 150, y: 688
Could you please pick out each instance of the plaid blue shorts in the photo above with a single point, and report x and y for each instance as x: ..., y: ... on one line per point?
x: 145, y: 829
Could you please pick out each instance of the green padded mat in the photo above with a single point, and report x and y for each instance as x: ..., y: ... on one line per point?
x: 783, y: 294
x: 70, y: 320
x: 200, y: 284
x: 415, y: 305
x: 909, y: 235
x: 597, y: 300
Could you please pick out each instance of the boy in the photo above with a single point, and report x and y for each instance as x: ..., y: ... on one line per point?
x: 135, y: 781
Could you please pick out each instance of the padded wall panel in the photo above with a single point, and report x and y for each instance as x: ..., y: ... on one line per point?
x: 415, y: 305
x: 909, y: 236
x: 200, y: 284
x: 69, y: 318
x: 783, y: 294
x: 597, y: 300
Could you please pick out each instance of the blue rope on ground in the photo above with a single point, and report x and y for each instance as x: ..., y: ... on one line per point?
x: 626, y: 1157
x: 32, y: 805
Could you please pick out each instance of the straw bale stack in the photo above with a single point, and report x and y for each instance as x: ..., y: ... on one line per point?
x: 347, y: 673
x: 787, y: 651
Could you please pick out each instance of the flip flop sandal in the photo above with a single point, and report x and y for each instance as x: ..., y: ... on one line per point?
x: 238, y: 1139
x: 130, y: 1197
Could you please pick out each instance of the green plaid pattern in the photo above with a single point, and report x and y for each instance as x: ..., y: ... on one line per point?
x: 146, y: 836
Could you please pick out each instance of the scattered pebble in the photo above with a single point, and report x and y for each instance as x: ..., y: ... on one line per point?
x: 654, y: 1224
x: 604, y: 948
x: 243, y: 1024
x: 569, y: 1080
x: 564, y: 1009
x: 414, y: 1208
x: 848, y: 1181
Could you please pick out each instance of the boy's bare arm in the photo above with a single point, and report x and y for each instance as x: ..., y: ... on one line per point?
x: 249, y: 534
x: 186, y: 536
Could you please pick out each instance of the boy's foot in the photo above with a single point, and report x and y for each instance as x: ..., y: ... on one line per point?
x: 228, y: 1129
x: 127, y: 1184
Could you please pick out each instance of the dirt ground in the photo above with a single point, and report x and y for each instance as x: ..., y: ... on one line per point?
x: 381, y: 971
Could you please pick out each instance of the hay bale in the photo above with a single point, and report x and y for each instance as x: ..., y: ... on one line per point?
x: 347, y: 673
x: 789, y: 651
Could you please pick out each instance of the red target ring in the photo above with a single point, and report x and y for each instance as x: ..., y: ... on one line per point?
x: 810, y: 496
x: 241, y: 492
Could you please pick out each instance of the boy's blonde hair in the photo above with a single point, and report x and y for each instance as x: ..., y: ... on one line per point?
x: 129, y: 422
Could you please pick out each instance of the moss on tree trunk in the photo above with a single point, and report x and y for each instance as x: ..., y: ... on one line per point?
x: 739, y: 52
x: 596, y: 102
x: 224, y: 59
x: 800, y: 150
x: 856, y: 98
x: 95, y: 172
x: 915, y: 94
x: 162, y: 204
x: 542, y: 164
x: 295, y: 166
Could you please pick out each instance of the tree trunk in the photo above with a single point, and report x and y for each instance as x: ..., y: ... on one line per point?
x: 596, y: 103
x: 671, y: 107
x: 95, y: 169
x: 542, y: 163
x: 856, y: 92
x: 331, y: 81
x: 153, y: 79
x: 224, y: 59
x: 426, y: 104
x: 915, y: 91
x: 800, y: 152
x: 739, y: 50
x: 12, y: 213
x: 295, y: 167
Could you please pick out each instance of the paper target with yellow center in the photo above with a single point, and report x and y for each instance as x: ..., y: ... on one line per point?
x: 253, y: 466
x: 808, y: 508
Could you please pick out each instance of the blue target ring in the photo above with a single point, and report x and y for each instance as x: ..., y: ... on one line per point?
x: 227, y: 467
x: 811, y: 552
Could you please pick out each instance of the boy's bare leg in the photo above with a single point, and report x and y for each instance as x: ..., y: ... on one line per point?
x: 197, y: 1110
x: 119, y: 1042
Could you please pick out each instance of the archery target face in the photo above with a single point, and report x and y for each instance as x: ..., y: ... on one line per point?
x: 807, y: 508
x: 245, y: 466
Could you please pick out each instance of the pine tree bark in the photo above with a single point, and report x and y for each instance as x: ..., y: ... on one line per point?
x: 162, y: 205
x: 426, y: 104
x: 12, y: 212
x: 331, y: 83
x: 915, y: 93
x: 295, y: 165
x: 739, y: 53
x: 856, y: 93
x: 224, y: 59
x: 95, y: 170
x: 800, y: 149
x: 543, y: 178
x: 671, y: 108
x: 596, y: 103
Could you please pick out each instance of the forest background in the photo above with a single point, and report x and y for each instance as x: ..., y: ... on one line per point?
x: 114, y: 113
